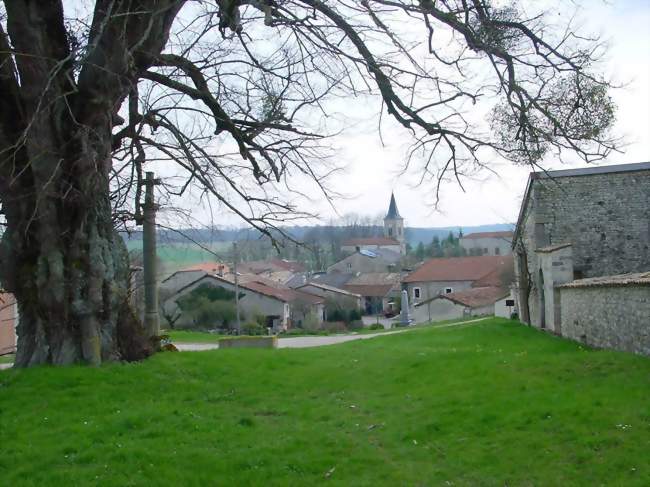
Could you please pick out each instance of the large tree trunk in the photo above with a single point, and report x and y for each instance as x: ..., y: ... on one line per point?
x: 61, y: 256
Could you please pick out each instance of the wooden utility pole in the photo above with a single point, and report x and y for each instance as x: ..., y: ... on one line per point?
x: 235, y: 258
x: 151, y: 320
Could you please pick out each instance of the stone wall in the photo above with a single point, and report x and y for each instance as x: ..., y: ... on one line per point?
x: 615, y: 317
x: 604, y: 216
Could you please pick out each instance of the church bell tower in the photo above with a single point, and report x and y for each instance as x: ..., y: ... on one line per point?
x: 394, y: 224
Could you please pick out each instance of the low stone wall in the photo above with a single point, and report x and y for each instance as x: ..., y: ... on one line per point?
x: 616, y: 317
x: 249, y: 342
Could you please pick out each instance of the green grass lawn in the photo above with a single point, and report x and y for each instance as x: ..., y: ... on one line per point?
x: 186, y: 336
x: 491, y: 404
x: 7, y: 359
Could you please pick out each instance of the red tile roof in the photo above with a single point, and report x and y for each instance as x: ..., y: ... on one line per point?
x: 458, y: 268
x: 272, y: 265
x: 286, y: 295
x: 209, y: 267
x: 371, y: 241
x: 477, y: 297
x: 369, y: 290
x: 505, y: 235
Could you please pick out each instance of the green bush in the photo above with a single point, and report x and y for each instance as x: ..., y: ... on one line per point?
x: 355, y: 325
x: 213, y: 314
x: 253, y: 328
x: 334, y: 326
x: 202, y: 293
x: 354, y: 315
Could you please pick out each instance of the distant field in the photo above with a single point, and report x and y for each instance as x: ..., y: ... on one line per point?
x: 178, y: 255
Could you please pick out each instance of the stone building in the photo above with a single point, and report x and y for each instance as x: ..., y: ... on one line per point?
x: 450, y: 275
x: 283, y: 308
x: 487, y: 243
x: 479, y: 301
x: 577, y: 224
x: 363, y: 261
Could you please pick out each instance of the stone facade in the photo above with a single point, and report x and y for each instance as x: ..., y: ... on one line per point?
x: 487, y: 243
x: 615, y: 317
x: 431, y: 289
x: 602, y: 212
x: 363, y: 263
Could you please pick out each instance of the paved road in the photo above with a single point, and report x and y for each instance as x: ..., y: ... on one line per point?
x: 317, y: 341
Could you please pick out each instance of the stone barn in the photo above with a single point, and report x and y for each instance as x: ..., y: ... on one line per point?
x: 579, y: 224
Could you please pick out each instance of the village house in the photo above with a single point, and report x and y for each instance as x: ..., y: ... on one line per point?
x: 378, y: 289
x: 183, y: 277
x: 340, y: 296
x: 277, y: 270
x: 282, y: 307
x: 478, y: 301
x: 451, y: 275
x: 371, y: 243
x: 8, y: 322
x: 364, y: 261
x: 582, y: 242
x: 487, y: 243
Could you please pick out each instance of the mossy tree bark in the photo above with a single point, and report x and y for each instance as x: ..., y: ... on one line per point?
x: 60, y: 254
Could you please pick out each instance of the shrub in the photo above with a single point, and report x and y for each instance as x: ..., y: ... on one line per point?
x: 354, y: 315
x: 334, y: 326
x: 253, y: 328
x: 335, y: 314
x: 310, y: 322
x: 202, y: 293
x: 213, y: 314
x: 355, y: 325
x: 376, y: 326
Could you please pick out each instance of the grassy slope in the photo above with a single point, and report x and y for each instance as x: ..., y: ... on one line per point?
x: 489, y: 404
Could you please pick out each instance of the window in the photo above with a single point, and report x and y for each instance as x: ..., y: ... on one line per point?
x: 449, y: 290
x: 390, y: 232
x: 349, y: 265
x: 486, y: 251
x: 399, y: 231
x: 416, y: 293
x: 497, y: 250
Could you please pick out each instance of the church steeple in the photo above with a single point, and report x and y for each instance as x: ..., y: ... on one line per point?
x: 392, y: 208
x: 394, y: 224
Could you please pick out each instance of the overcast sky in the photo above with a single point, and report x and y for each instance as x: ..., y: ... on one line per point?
x: 373, y: 170
x: 496, y: 199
